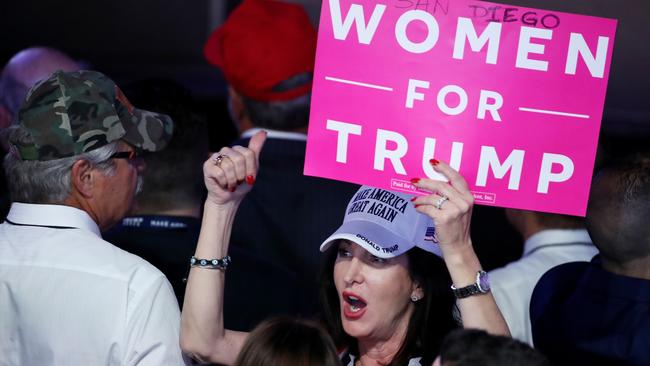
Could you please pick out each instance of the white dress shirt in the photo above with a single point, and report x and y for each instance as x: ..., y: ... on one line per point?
x: 67, y: 297
x: 513, y: 285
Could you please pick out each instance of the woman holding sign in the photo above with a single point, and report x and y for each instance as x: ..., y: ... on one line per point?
x: 386, y: 295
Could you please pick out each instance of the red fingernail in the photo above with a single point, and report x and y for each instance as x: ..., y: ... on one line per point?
x: 416, y: 206
x: 250, y: 180
x: 413, y: 199
x: 232, y: 189
x: 415, y: 180
x: 434, y: 162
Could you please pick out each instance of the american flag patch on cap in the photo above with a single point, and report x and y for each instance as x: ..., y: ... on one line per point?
x: 431, y: 234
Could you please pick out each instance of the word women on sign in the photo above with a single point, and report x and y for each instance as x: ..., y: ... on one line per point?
x: 466, y: 33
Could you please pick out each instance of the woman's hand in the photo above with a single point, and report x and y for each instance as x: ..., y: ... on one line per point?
x: 230, y: 173
x: 449, y: 205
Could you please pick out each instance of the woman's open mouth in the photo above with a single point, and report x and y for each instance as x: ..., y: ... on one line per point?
x: 354, y: 306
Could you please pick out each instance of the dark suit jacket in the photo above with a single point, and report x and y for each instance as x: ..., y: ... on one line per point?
x: 287, y: 215
x: 582, y: 314
x: 255, y: 288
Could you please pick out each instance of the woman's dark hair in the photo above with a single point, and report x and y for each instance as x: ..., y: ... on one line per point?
x: 430, y: 322
x: 288, y: 341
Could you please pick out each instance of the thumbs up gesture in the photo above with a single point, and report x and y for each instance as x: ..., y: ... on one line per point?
x: 230, y: 173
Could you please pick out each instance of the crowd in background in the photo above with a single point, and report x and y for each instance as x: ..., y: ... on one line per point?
x: 122, y: 218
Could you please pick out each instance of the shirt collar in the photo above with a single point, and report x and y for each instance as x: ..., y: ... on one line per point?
x: 556, y: 236
x: 275, y: 134
x: 52, y: 215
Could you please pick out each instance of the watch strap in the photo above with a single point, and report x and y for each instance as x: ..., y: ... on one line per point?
x: 473, y: 289
x: 466, y: 291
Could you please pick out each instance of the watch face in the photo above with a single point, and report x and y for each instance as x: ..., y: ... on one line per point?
x: 484, y: 282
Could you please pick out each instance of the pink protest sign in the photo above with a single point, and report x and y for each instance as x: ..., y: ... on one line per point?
x: 511, y: 97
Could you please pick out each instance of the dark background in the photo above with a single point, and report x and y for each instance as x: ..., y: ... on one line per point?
x: 131, y: 40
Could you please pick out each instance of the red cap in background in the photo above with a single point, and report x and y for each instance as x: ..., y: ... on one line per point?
x: 261, y: 44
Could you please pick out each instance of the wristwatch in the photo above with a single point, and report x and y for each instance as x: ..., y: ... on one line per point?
x: 481, y: 286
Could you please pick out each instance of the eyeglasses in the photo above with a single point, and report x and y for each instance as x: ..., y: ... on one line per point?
x: 129, y: 155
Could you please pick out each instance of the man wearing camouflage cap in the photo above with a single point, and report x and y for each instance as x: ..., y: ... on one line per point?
x: 67, y: 297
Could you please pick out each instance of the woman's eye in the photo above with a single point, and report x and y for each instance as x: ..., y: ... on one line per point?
x: 378, y: 260
x: 342, y: 253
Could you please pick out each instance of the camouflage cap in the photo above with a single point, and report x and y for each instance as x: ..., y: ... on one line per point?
x: 71, y: 113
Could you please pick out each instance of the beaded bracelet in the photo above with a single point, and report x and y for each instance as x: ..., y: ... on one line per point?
x: 222, y: 263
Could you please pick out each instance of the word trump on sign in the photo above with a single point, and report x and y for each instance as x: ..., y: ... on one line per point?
x: 511, y: 97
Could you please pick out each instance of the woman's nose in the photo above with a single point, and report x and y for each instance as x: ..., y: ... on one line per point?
x: 354, y: 272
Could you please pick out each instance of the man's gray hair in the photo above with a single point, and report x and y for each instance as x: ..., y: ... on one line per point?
x: 47, y: 182
x: 286, y: 115
x: 279, y: 115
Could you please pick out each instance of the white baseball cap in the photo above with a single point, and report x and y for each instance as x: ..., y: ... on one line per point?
x: 385, y: 223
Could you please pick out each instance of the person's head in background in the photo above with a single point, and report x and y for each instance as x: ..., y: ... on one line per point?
x: 473, y: 347
x: 288, y: 342
x: 266, y: 51
x: 529, y: 223
x: 173, y: 181
x: 22, y: 71
x: 618, y: 215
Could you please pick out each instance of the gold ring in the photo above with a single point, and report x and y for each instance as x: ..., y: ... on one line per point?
x: 440, y: 202
x: 219, y: 158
